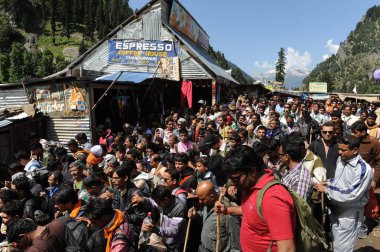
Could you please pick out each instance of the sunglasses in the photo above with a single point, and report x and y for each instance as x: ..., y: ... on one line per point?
x: 327, y: 132
x: 236, y: 179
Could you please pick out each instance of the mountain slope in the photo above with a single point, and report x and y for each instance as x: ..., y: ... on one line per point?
x: 293, y: 77
x: 357, y: 58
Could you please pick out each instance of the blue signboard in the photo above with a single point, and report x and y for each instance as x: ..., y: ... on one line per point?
x: 140, y: 52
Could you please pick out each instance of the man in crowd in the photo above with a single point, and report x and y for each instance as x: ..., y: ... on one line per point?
x: 117, y: 230
x: 277, y: 228
x: 26, y: 234
x: 229, y: 225
x: 348, y: 193
x: 298, y: 178
x: 369, y: 149
x: 326, y: 148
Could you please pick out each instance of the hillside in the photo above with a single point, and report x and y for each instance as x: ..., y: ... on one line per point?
x: 357, y: 58
x: 41, y: 37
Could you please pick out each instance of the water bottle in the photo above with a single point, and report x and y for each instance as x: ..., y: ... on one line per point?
x: 147, y: 221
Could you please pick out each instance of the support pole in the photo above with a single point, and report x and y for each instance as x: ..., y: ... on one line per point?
x: 105, y: 93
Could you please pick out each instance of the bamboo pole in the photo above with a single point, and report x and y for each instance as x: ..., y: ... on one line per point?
x: 217, y: 247
x: 187, y: 235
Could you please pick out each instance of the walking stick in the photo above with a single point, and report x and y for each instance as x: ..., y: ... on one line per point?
x: 187, y: 235
x: 323, y: 206
x: 218, y: 223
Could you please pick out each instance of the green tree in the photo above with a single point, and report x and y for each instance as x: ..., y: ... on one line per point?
x: 46, y: 66
x: 280, y: 66
x: 53, y: 13
x: 36, y: 59
x: 16, y: 57
x: 60, y: 63
x: 8, y: 34
x: 326, y: 77
x: 100, y: 20
x: 238, y: 76
x: 28, y: 68
x: 4, y: 67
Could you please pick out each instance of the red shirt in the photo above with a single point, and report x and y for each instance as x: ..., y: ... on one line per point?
x: 279, y: 214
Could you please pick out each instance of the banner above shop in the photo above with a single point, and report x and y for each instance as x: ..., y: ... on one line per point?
x: 147, y: 53
x: 181, y: 20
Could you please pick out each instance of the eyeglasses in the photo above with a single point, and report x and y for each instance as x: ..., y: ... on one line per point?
x: 236, y: 179
x: 327, y: 132
x: 281, y: 154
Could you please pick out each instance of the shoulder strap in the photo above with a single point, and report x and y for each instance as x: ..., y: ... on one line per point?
x: 185, y: 179
x: 260, y: 195
x: 179, y: 191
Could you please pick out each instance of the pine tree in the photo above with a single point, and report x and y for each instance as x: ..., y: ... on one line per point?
x: 8, y: 34
x: 4, y: 67
x: 28, y: 68
x: 67, y: 17
x: 280, y: 66
x: 46, y: 66
x: 44, y: 18
x: 16, y: 62
x: 53, y: 12
x: 100, y: 20
x: 75, y: 19
x: 60, y: 63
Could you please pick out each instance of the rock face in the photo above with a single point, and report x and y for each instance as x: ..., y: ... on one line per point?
x: 70, y: 53
x: 357, y: 58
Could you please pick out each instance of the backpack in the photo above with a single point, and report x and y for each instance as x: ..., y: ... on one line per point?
x: 81, y: 238
x: 310, y: 235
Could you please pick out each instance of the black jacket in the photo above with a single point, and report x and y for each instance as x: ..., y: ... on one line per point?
x: 329, y: 161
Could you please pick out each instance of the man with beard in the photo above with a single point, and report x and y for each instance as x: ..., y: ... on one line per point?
x: 326, y: 148
x: 277, y: 228
x: 369, y: 149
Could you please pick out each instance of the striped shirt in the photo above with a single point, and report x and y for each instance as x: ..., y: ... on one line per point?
x: 299, y: 181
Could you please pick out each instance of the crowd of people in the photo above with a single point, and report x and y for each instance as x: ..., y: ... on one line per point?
x: 191, y: 182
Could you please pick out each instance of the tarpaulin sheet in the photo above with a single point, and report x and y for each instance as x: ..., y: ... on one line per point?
x: 134, y: 77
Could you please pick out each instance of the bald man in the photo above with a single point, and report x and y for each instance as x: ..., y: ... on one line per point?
x: 229, y: 225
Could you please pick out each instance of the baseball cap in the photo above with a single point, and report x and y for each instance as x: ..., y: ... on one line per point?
x: 109, y: 158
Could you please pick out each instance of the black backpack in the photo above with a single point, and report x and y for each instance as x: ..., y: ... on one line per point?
x: 81, y: 238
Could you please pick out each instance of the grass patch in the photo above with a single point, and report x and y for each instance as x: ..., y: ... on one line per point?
x: 46, y: 41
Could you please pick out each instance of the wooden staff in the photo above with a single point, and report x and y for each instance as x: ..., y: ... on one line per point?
x: 323, y: 206
x: 187, y: 235
x: 218, y: 222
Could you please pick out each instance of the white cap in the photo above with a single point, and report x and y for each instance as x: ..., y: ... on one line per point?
x: 201, y: 101
x: 97, y: 150
x: 109, y: 158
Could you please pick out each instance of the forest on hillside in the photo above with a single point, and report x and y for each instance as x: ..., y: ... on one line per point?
x: 33, y: 34
x: 356, y: 60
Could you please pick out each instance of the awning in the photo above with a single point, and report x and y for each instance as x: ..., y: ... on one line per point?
x: 134, y: 77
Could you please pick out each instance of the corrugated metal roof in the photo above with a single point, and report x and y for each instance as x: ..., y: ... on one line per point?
x: 64, y: 129
x: 4, y: 123
x: 19, y: 116
x: 152, y: 25
x: 203, y: 57
x: 96, y: 58
x: 13, y: 98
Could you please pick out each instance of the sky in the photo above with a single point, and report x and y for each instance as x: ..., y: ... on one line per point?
x: 250, y: 33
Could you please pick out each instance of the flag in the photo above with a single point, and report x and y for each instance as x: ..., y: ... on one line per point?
x: 354, y: 90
